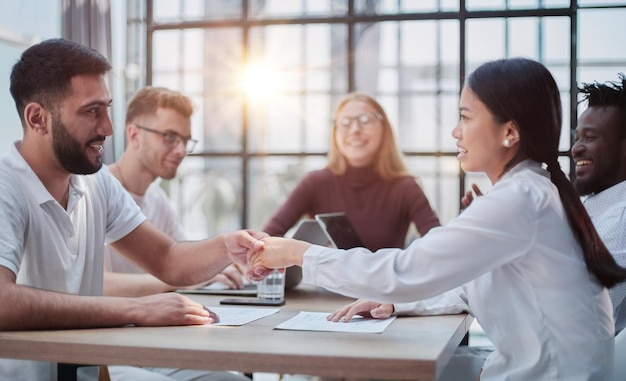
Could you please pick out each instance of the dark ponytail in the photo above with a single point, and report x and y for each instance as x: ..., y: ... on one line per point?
x: 599, y: 260
x: 524, y: 91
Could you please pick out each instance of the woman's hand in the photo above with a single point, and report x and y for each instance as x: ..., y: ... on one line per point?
x: 278, y: 253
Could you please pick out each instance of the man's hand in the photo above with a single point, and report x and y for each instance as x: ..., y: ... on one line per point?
x: 242, y: 244
x: 278, y: 253
x: 232, y: 276
x: 363, y: 308
x: 169, y: 309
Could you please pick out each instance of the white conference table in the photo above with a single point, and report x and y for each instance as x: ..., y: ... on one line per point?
x: 411, y: 348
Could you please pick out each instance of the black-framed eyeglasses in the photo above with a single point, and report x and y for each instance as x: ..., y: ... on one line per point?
x: 172, y: 139
x: 364, y: 121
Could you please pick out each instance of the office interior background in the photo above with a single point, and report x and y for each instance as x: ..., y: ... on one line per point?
x: 265, y: 76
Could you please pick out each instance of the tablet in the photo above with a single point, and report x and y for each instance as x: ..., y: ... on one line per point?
x: 312, y: 232
x: 339, y: 230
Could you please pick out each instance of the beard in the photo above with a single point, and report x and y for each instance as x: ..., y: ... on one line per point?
x: 602, y: 178
x: 70, y: 153
x: 583, y: 188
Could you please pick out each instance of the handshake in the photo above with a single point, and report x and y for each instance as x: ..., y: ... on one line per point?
x: 260, y: 254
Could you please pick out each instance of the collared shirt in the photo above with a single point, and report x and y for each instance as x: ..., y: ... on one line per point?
x: 53, y: 248
x: 512, y: 261
x: 607, y: 210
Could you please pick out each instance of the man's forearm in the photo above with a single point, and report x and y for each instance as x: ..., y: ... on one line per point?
x: 176, y: 263
x: 133, y: 284
x: 32, y: 308
x: 193, y: 262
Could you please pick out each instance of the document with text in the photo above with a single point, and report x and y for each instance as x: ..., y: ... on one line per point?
x: 316, y: 321
x: 240, y: 316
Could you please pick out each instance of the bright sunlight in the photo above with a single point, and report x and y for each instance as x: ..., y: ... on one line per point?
x: 260, y: 82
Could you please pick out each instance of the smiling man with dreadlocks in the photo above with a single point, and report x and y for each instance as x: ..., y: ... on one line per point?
x: 599, y: 152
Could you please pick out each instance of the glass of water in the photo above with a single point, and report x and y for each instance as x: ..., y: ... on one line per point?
x: 272, y: 287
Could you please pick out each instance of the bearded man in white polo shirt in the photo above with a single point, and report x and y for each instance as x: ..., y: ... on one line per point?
x: 58, y: 209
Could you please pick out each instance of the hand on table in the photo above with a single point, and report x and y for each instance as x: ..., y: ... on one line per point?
x: 363, y: 308
x: 170, y: 309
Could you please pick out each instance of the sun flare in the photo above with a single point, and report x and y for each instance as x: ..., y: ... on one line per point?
x: 259, y: 81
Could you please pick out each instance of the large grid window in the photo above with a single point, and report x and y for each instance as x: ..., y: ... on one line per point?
x: 266, y: 75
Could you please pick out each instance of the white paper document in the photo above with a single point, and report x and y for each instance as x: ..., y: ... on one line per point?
x: 316, y: 321
x: 240, y: 316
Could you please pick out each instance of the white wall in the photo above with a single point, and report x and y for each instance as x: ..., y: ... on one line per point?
x: 22, y: 23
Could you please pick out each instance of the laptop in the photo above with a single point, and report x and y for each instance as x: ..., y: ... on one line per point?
x: 219, y: 288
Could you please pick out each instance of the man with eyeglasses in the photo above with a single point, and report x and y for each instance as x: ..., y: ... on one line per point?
x: 158, y: 138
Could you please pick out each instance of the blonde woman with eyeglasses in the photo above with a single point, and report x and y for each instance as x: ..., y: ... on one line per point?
x: 365, y: 177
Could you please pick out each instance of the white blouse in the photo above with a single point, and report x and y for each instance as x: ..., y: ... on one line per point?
x: 511, y: 260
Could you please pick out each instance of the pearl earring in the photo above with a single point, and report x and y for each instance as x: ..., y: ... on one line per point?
x: 507, y: 143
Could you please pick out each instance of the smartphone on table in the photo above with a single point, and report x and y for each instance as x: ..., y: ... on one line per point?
x: 253, y: 301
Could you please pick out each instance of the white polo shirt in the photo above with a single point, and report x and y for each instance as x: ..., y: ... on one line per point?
x: 55, y: 249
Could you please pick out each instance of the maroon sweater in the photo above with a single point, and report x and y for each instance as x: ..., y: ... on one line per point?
x: 381, y: 211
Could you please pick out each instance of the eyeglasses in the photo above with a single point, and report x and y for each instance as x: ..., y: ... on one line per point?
x: 364, y: 121
x: 173, y: 139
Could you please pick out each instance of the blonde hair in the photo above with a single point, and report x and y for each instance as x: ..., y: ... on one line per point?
x: 389, y: 162
x: 148, y: 99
